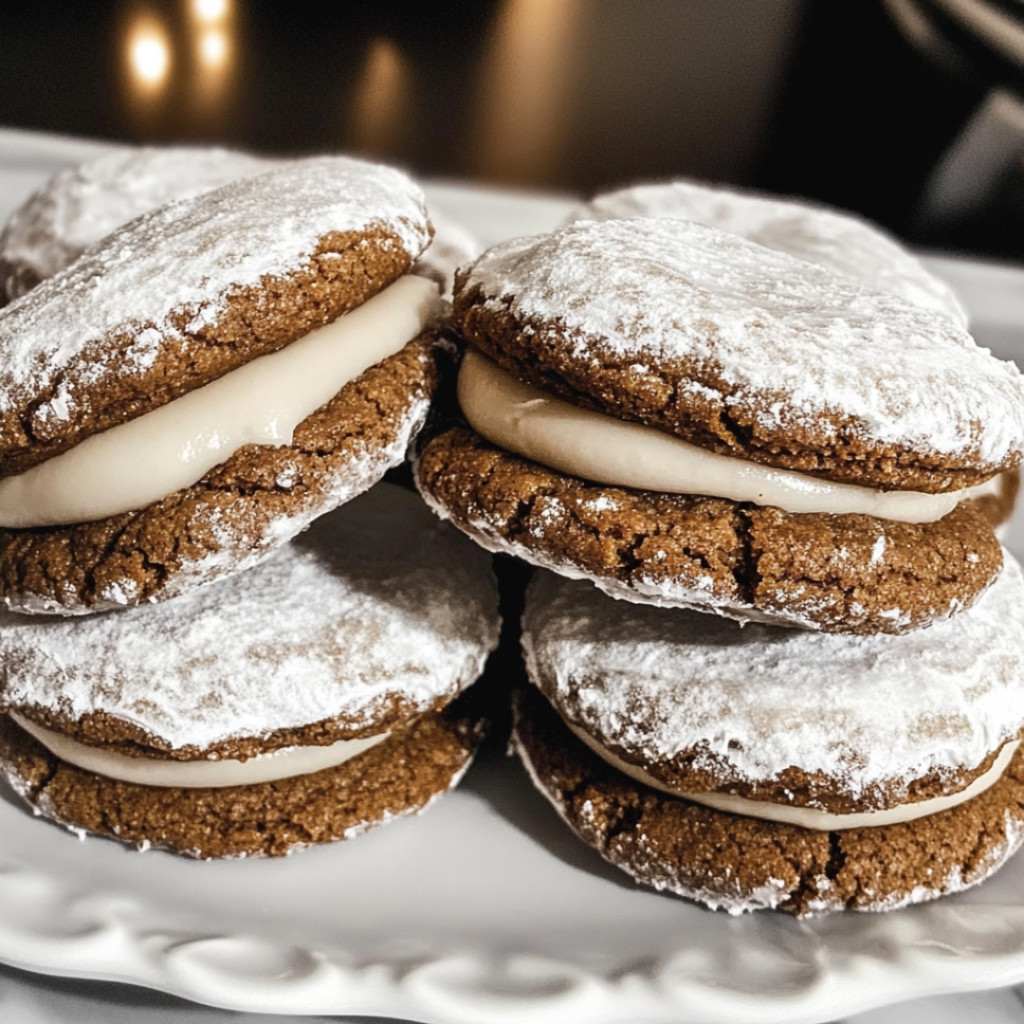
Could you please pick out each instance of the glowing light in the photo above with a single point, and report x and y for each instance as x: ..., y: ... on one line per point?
x: 380, y: 111
x: 525, y: 88
x: 210, y: 11
x: 213, y: 48
x: 149, y: 55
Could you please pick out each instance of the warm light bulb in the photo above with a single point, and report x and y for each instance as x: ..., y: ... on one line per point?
x: 213, y: 48
x: 209, y: 11
x: 149, y: 55
x: 381, y: 102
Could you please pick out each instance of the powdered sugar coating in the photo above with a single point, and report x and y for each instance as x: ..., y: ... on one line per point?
x: 377, y: 599
x: 452, y: 246
x: 801, y: 350
x: 836, y: 240
x: 81, y: 205
x: 871, y: 713
x: 184, y: 257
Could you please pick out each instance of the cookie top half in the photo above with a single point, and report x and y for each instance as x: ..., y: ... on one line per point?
x: 192, y: 290
x: 834, y: 239
x: 375, y: 615
x: 81, y: 205
x: 745, y: 351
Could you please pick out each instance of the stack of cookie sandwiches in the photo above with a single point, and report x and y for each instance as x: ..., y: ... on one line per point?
x: 180, y: 401
x: 697, y: 423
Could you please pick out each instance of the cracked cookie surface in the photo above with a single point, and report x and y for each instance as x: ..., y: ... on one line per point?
x: 838, y: 724
x: 740, y: 864
x: 836, y: 573
x: 81, y: 205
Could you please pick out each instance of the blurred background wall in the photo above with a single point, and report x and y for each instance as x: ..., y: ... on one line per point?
x: 830, y: 99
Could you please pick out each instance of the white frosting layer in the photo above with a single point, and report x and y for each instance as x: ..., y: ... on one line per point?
x: 285, y: 763
x: 376, y: 606
x: 809, y: 817
x: 871, y: 714
x: 594, y: 446
x: 262, y: 402
x: 796, y: 350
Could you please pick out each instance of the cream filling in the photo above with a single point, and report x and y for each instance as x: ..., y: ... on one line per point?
x: 591, y: 445
x: 139, y: 462
x: 809, y: 817
x: 278, y: 764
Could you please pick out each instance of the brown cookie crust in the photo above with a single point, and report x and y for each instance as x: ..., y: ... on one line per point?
x: 399, y: 776
x: 344, y: 270
x: 712, y: 414
x: 998, y: 508
x: 236, y: 514
x: 100, y: 729
x: 815, y: 570
x: 737, y: 863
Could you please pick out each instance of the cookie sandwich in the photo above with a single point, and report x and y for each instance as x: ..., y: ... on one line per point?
x: 307, y: 701
x: 194, y: 390
x: 759, y: 767
x: 689, y: 419
x: 834, y: 239
x: 81, y: 205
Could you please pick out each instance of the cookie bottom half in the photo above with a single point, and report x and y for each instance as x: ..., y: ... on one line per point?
x: 739, y: 864
x: 835, y: 573
x: 399, y: 776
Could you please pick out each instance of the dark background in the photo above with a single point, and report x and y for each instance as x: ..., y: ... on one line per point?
x: 821, y: 98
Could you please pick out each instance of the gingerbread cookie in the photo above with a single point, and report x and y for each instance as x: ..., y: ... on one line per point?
x: 692, y: 420
x: 759, y: 767
x: 198, y: 387
x: 834, y: 239
x: 81, y: 205
x: 311, y: 699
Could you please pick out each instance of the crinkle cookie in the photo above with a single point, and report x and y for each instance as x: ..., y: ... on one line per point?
x: 759, y: 767
x: 200, y: 385
x: 307, y: 701
x: 834, y: 239
x: 692, y: 420
x: 81, y: 205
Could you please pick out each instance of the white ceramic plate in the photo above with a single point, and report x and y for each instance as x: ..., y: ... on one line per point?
x: 485, y: 909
